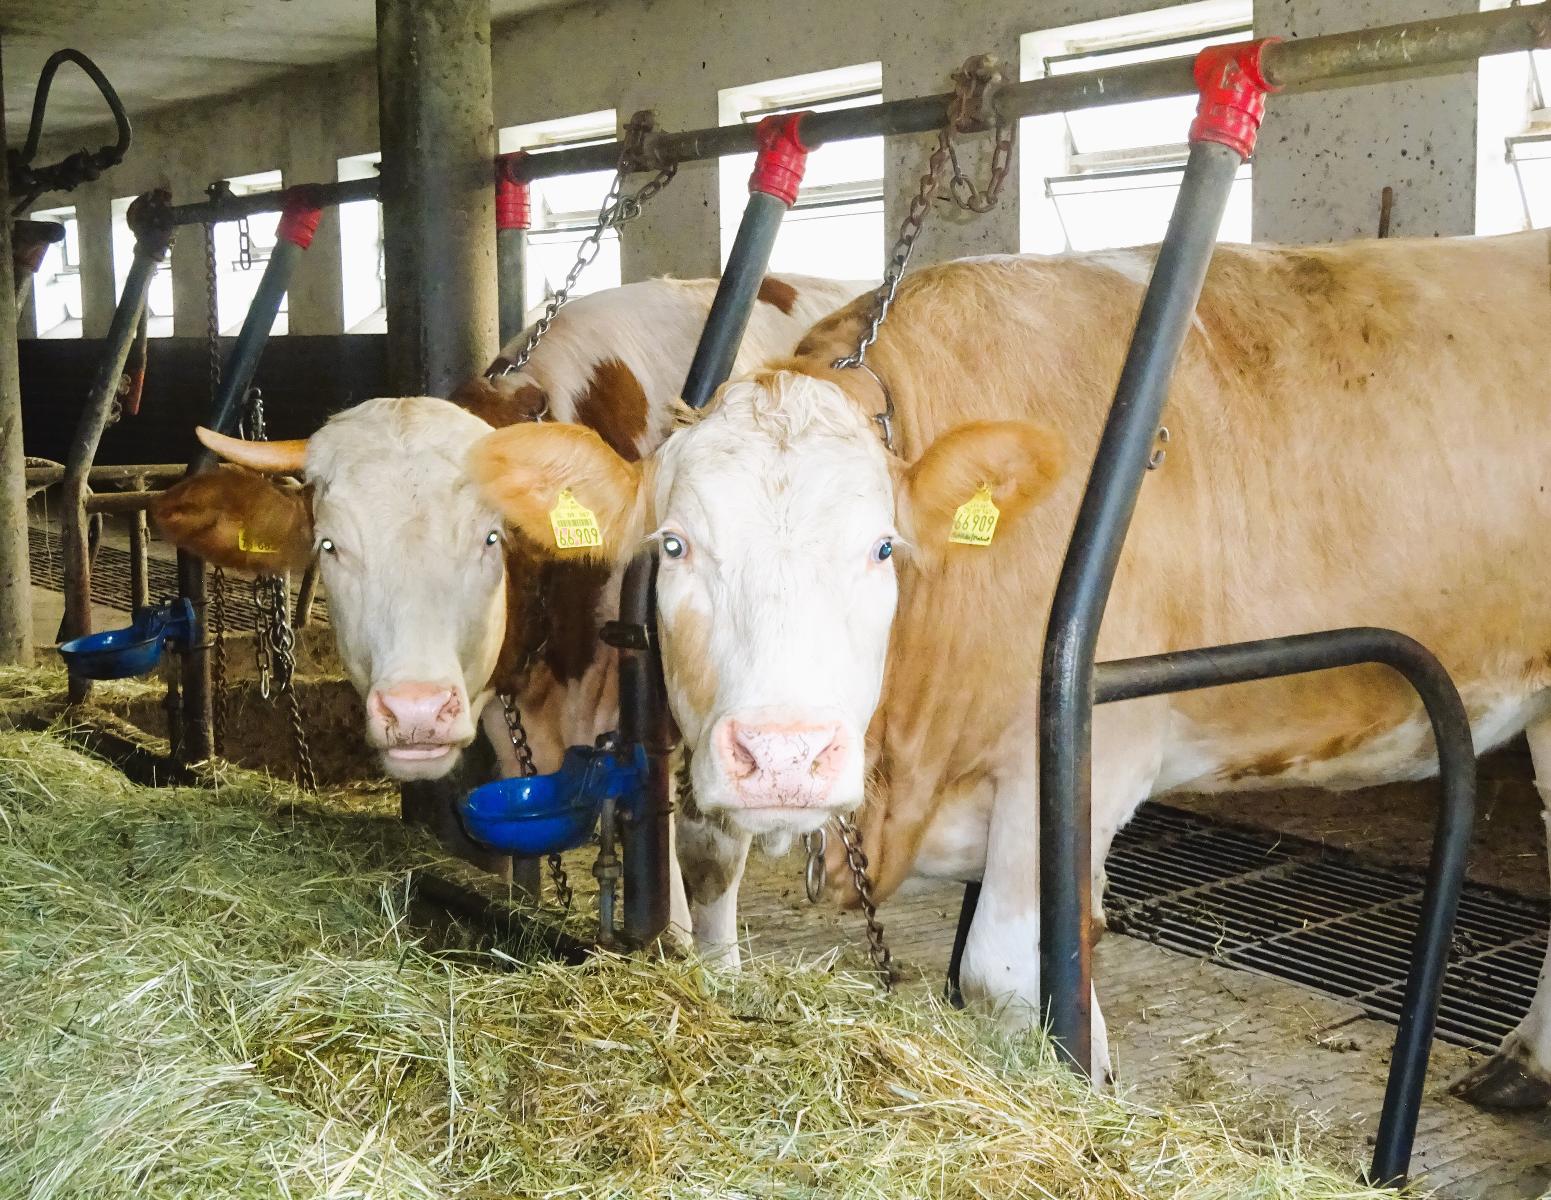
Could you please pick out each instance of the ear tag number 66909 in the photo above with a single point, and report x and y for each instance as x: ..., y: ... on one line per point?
x: 974, y: 522
x: 575, y: 525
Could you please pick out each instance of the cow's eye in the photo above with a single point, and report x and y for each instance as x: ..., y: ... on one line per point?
x: 884, y: 550
x: 326, y: 545
x: 673, y: 545
x: 492, y: 537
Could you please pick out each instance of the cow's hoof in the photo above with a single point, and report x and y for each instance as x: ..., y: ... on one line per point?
x: 1503, y: 1081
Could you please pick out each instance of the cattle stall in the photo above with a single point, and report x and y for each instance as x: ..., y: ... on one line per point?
x: 454, y: 251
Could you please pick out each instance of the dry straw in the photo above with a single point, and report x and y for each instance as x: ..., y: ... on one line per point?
x: 223, y: 994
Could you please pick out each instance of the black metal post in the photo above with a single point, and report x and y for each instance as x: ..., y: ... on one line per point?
x: 1066, y: 684
x: 1188, y: 670
x: 153, y: 236
x: 735, y: 297
x: 513, y: 215
x: 643, y: 719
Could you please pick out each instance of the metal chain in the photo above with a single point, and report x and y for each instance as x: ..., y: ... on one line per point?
x: 617, y: 209
x: 856, y: 860
x: 970, y: 83
x: 217, y: 576
x: 275, y: 652
x: 525, y: 764
x: 244, y: 245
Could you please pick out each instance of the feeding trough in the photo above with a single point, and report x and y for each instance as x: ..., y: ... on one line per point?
x: 122, y: 653
x: 537, y: 815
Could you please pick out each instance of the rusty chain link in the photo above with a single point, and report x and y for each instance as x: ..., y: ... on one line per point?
x: 617, y: 209
x: 856, y: 860
x: 275, y: 654
x: 973, y: 84
x: 217, y: 576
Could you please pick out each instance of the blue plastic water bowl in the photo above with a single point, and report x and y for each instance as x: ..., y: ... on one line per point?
x: 549, y: 814
x: 122, y: 653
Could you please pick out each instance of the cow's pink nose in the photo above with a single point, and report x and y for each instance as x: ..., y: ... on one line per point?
x: 414, y: 716
x: 781, y: 764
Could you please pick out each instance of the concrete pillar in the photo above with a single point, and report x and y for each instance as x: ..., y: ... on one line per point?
x: 15, y: 574
x: 190, y: 284
x: 1325, y: 157
x: 438, y: 141
x: 316, y: 303
x: 950, y: 232
x: 94, y: 211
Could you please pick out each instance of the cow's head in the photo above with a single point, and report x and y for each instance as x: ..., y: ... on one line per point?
x: 781, y: 520
x: 412, y: 558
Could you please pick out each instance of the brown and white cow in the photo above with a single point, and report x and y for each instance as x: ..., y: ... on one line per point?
x: 433, y: 610
x: 1361, y: 435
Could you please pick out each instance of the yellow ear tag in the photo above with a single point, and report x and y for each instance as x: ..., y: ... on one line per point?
x: 974, y: 524
x: 574, y: 524
x: 248, y: 547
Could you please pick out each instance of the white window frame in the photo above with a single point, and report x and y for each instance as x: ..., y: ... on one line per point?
x: 351, y: 244
x: 255, y: 235
x: 1514, y: 131
x: 1053, y: 168
x: 852, y: 86
x: 557, y: 228
x: 66, y: 267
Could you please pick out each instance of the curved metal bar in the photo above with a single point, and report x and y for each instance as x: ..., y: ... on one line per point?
x: 1187, y: 670
x: 27, y: 182
x: 109, y: 95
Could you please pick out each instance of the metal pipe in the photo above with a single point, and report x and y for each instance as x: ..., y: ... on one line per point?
x: 139, y: 561
x: 643, y: 719
x: 1066, y: 683
x: 121, y: 504
x: 438, y: 205
x: 152, y: 239
x: 735, y: 295
x: 237, y: 374
x: 197, y: 743
x: 511, y: 257
x: 52, y: 473
x: 307, y: 594
x: 325, y: 195
x: 1298, y: 63
x: 15, y: 568
x: 1273, y: 658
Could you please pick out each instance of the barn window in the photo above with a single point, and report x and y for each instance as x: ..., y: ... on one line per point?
x: 1100, y: 177
x: 241, y: 250
x: 159, y: 295
x: 364, y: 292
x: 1513, y: 184
x: 565, y: 209
x: 836, y: 227
x: 56, y: 287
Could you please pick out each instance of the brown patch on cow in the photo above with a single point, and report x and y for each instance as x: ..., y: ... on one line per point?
x: 687, y: 655
x: 1265, y: 766
x: 238, y: 519
x: 779, y: 293
x: 552, y: 612
x: 614, y: 405
x: 499, y: 406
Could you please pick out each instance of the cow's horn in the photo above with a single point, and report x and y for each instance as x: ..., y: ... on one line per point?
x: 273, y: 458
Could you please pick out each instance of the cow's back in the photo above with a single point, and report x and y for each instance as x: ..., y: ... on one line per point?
x: 1359, y: 434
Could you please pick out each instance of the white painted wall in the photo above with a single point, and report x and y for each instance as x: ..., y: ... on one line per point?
x: 1322, y: 161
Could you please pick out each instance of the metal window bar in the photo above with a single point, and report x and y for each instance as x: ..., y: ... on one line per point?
x: 1226, y: 33
x: 1511, y: 154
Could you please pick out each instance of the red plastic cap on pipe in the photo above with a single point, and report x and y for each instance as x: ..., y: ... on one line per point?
x: 300, y: 217
x: 1233, y: 89
x: 513, y: 199
x: 782, y: 157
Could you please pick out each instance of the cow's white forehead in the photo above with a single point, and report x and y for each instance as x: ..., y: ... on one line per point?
x: 391, y: 436
x: 782, y: 431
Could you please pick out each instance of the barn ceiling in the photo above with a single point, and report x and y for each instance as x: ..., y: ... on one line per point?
x: 162, y: 52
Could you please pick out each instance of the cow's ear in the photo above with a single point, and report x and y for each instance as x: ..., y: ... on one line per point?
x: 562, y: 488
x: 942, y: 497
x: 234, y: 518
x: 499, y: 402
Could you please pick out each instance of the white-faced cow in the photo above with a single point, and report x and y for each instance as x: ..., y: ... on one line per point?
x: 1360, y: 436
x: 433, y: 610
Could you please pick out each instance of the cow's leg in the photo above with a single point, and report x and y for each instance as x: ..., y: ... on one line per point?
x: 1001, y: 954
x: 712, y: 858
x: 1518, y: 1075
x: 680, y: 924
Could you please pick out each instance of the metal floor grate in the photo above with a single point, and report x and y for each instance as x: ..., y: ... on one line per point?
x: 1292, y: 909
x: 110, y: 579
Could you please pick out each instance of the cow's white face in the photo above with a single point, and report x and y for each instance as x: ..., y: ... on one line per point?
x: 414, y: 563
x: 776, y: 593
x: 778, y: 515
x: 412, y: 558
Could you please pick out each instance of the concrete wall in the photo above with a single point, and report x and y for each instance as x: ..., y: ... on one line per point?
x: 1323, y: 158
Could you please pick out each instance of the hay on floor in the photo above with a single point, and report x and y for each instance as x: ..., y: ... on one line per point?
x: 219, y: 994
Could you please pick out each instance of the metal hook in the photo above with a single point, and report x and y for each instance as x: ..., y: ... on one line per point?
x: 1158, y: 455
